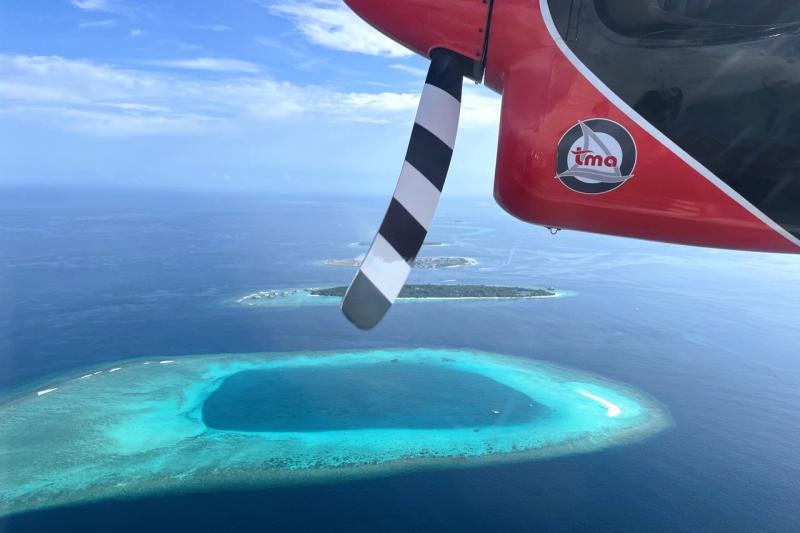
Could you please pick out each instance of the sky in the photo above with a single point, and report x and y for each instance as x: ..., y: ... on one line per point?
x: 289, y: 96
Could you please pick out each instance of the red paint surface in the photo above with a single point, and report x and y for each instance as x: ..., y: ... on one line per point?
x: 543, y: 96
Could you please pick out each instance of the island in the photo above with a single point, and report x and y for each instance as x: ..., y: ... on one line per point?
x: 412, y: 292
x: 271, y: 294
x: 453, y: 292
x: 355, y: 262
x: 420, y: 262
x: 444, y: 262
x: 142, y: 427
x: 426, y: 243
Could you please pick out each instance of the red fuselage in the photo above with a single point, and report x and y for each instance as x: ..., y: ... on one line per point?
x: 573, y: 153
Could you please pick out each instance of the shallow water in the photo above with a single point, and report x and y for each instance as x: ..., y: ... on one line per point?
x: 140, y: 428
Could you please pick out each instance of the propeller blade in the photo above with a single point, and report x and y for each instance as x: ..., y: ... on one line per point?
x: 388, y: 262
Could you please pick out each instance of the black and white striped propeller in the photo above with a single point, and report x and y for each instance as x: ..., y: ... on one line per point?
x: 388, y: 262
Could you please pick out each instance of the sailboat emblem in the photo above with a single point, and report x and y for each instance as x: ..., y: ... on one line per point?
x: 595, y: 156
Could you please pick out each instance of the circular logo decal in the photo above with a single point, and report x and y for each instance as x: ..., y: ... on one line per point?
x: 595, y: 156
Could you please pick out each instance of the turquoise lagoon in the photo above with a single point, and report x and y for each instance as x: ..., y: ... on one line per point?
x: 244, y: 420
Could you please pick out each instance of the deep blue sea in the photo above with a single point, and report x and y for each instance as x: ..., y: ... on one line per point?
x: 90, y: 276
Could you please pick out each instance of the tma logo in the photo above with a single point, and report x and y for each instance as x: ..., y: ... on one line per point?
x: 584, y: 160
x: 595, y: 156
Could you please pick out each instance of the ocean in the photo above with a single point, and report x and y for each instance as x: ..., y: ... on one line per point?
x: 89, y: 277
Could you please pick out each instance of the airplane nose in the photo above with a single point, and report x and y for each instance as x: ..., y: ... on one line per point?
x: 422, y: 25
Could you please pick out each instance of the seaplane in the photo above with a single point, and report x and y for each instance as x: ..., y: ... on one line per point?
x: 668, y: 120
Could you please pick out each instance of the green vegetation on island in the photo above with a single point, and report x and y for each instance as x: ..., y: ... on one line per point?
x: 453, y: 291
x: 444, y: 262
x: 420, y: 262
x: 298, y: 296
x: 426, y: 243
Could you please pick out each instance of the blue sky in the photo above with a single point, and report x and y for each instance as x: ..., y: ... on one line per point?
x: 278, y: 95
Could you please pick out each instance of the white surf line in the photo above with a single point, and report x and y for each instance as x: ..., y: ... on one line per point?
x: 115, y: 369
x: 86, y: 376
x: 166, y: 362
x: 98, y: 372
x: 612, y: 410
x: 46, y: 391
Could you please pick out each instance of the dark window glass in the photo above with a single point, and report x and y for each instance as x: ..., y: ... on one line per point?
x: 698, y: 19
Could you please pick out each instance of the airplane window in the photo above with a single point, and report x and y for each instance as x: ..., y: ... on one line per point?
x: 699, y: 19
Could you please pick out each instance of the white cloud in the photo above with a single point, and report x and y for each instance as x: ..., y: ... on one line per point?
x: 210, y: 64
x: 479, y: 107
x: 92, y: 5
x: 108, y: 23
x: 219, y: 28
x: 127, y: 9
x: 117, y: 123
x: 382, y: 102
x: 107, y: 100
x: 335, y: 26
x: 414, y: 71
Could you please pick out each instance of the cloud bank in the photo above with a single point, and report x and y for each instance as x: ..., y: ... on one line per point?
x: 107, y: 100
